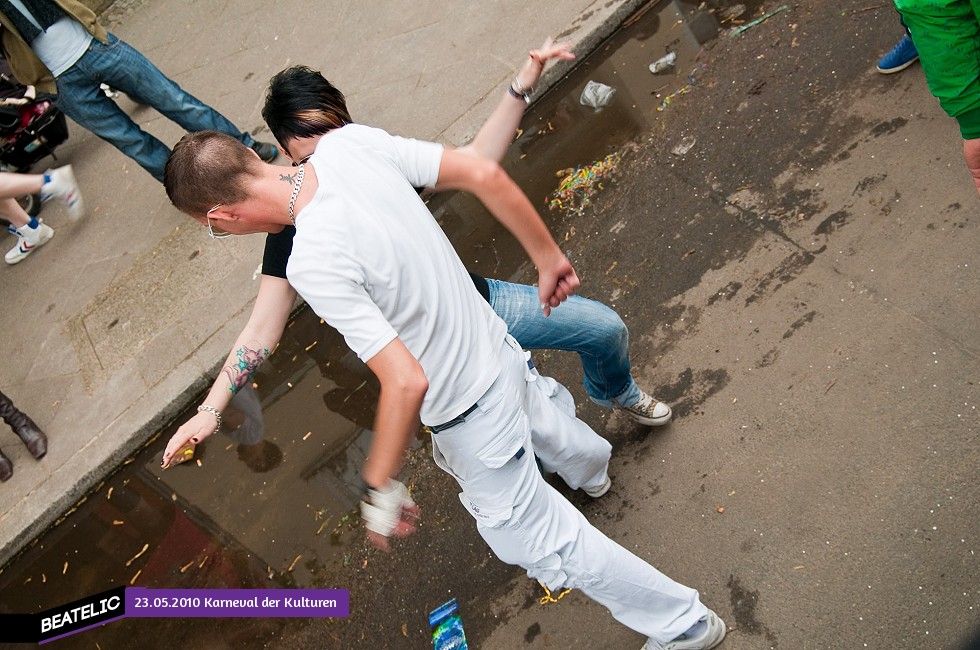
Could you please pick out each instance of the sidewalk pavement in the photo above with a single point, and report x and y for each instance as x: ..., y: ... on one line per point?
x: 124, y: 317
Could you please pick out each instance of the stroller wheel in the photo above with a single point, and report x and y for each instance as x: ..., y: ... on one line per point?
x: 31, y: 204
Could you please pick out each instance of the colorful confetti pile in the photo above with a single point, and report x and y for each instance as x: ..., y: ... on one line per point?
x: 579, y: 185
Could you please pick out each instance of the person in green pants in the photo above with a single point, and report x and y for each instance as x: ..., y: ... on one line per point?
x: 947, y: 36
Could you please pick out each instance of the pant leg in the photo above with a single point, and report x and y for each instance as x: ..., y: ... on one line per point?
x: 124, y: 68
x: 946, y: 34
x: 587, y: 327
x: 563, y: 443
x: 80, y: 98
x: 527, y: 523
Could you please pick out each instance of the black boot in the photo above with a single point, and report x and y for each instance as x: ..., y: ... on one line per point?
x: 6, y: 468
x: 24, y: 427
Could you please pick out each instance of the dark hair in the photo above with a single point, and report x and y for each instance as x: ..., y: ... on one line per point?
x: 301, y: 103
x: 208, y: 168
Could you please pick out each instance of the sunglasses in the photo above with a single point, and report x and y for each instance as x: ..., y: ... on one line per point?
x: 213, y: 232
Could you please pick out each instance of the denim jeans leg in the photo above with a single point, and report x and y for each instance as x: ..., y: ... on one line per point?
x: 80, y: 98
x: 121, y: 66
x: 592, y: 330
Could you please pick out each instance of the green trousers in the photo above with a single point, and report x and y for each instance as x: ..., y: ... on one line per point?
x: 947, y: 35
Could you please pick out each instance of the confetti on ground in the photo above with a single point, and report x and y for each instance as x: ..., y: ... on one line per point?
x: 142, y: 551
x: 322, y: 526
x: 579, y: 185
x: 184, y: 568
x: 133, y: 580
x: 683, y: 90
x: 757, y: 21
x: 64, y: 570
x: 292, y: 565
x: 548, y: 597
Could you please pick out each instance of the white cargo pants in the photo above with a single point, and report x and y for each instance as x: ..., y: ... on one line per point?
x: 528, y: 523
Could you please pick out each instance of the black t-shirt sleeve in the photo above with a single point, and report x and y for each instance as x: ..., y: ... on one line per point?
x: 481, y: 285
x: 278, y: 246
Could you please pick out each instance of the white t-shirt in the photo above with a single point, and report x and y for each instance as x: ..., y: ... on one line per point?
x: 62, y: 45
x: 369, y: 259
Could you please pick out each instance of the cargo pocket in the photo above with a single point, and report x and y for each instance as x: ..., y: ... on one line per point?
x: 442, y: 463
x: 490, y: 516
x: 514, y: 433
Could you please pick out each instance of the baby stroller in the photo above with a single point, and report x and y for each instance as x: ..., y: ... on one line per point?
x: 31, y: 126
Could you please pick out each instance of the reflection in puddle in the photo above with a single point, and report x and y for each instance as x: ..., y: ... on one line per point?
x: 269, y: 501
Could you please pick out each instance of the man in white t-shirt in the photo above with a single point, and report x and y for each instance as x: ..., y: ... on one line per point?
x: 370, y: 260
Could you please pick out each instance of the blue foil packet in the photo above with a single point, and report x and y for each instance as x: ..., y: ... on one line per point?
x: 447, y: 627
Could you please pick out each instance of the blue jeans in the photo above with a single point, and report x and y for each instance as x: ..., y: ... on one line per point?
x: 589, y: 328
x: 123, y: 68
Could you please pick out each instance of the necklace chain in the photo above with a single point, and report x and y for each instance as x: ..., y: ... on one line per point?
x: 300, y: 173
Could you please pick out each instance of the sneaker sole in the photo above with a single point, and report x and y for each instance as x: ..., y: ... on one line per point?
x: 73, y: 200
x: 595, y: 493
x: 651, y: 422
x: 24, y: 256
x: 715, y: 634
x: 897, y: 69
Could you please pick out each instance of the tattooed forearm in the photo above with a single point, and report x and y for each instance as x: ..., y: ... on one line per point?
x: 241, y: 371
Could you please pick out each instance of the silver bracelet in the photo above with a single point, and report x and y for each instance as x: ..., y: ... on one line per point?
x: 213, y: 411
x: 520, y: 92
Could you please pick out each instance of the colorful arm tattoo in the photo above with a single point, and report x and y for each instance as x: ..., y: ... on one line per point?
x: 248, y: 360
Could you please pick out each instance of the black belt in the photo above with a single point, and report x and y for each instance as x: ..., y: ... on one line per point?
x: 462, y: 416
x: 456, y: 420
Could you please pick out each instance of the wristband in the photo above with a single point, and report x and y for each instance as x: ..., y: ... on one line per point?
x: 381, y: 510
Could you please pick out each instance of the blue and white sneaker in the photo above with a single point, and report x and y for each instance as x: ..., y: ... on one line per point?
x: 28, y: 240
x: 61, y: 185
x: 902, y: 56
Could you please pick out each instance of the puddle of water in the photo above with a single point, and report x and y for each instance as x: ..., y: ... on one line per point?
x: 269, y: 501
x: 560, y: 133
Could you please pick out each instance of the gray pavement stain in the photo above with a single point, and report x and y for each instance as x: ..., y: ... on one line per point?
x: 744, y: 602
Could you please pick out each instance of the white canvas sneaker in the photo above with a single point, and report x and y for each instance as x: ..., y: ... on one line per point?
x: 649, y: 411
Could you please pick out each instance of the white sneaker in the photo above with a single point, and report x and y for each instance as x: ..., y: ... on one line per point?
x: 714, y: 632
x: 597, y: 492
x: 63, y: 186
x: 648, y: 411
x: 28, y: 239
